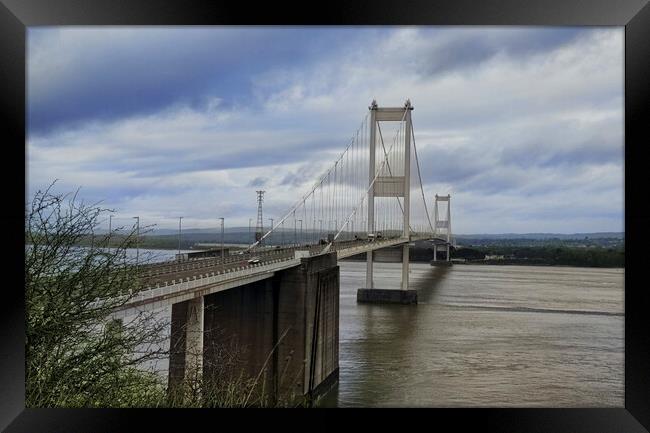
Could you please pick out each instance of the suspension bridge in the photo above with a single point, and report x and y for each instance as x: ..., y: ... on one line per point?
x: 370, y: 198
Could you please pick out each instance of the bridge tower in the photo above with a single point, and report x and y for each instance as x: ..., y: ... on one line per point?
x: 442, y: 226
x: 259, y: 229
x: 396, y: 186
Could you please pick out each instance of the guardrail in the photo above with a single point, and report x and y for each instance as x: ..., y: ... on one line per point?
x: 212, y: 279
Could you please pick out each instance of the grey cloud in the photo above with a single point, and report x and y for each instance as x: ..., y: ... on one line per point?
x: 498, y: 148
x: 258, y: 181
x: 296, y: 178
x: 470, y: 47
x: 76, y: 75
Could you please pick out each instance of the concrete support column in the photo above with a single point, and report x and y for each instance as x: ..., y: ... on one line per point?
x: 186, y: 346
x: 405, y: 267
x: 371, y: 191
x: 435, y: 252
x: 407, y: 173
x: 194, y: 338
x: 283, y: 331
x: 369, y: 283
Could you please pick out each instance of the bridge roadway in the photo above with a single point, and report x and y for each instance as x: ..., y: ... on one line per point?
x: 163, y: 284
x: 159, y: 273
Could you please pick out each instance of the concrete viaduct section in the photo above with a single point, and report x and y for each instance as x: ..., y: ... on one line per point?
x: 240, y: 334
x: 281, y: 332
x: 308, y: 327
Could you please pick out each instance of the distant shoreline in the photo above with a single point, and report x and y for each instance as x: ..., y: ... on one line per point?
x: 492, y: 263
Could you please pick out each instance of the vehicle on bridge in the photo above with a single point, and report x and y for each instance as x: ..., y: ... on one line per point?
x: 253, y: 260
x: 373, y: 236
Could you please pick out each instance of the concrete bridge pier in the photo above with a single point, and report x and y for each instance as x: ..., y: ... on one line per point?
x: 446, y: 261
x: 186, y: 347
x: 280, y: 333
x: 405, y: 267
x: 403, y: 295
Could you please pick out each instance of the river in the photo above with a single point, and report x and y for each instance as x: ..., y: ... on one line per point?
x: 517, y: 336
x: 481, y: 336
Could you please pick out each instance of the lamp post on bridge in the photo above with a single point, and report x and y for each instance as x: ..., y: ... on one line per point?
x: 179, y: 237
x: 301, y: 237
x: 250, y: 220
x: 271, y: 219
x: 137, y: 240
x: 222, y: 229
x: 110, y: 231
x: 295, y: 233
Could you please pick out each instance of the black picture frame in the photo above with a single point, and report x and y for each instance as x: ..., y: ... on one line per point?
x: 16, y: 15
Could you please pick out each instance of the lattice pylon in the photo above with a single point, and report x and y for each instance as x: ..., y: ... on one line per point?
x: 259, y: 230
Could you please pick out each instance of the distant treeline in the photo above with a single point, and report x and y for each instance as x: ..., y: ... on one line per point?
x: 546, y: 255
x: 607, y: 242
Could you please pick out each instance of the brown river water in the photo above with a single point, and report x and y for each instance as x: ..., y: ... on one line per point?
x: 489, y: 336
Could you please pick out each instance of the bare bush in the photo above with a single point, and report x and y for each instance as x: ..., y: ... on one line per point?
x: 76, y: 355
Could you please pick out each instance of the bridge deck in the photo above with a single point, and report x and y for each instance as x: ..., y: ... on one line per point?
x: 170, y: 282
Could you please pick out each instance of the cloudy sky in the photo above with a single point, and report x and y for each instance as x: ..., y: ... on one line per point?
x: 523, y: 126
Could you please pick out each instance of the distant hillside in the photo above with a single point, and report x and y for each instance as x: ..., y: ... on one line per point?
x: 243, y: 231
x: 190, y: 238
x: 168, y: 238
x: 207, y: 232
x: 544, y: 236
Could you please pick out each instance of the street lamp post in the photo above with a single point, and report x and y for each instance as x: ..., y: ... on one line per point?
x: 179, y: 237
x: 137, y: 240
x: 110, y: 231
x: 301, y: 238
x: 222, y: 250
x: 271, y: 229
